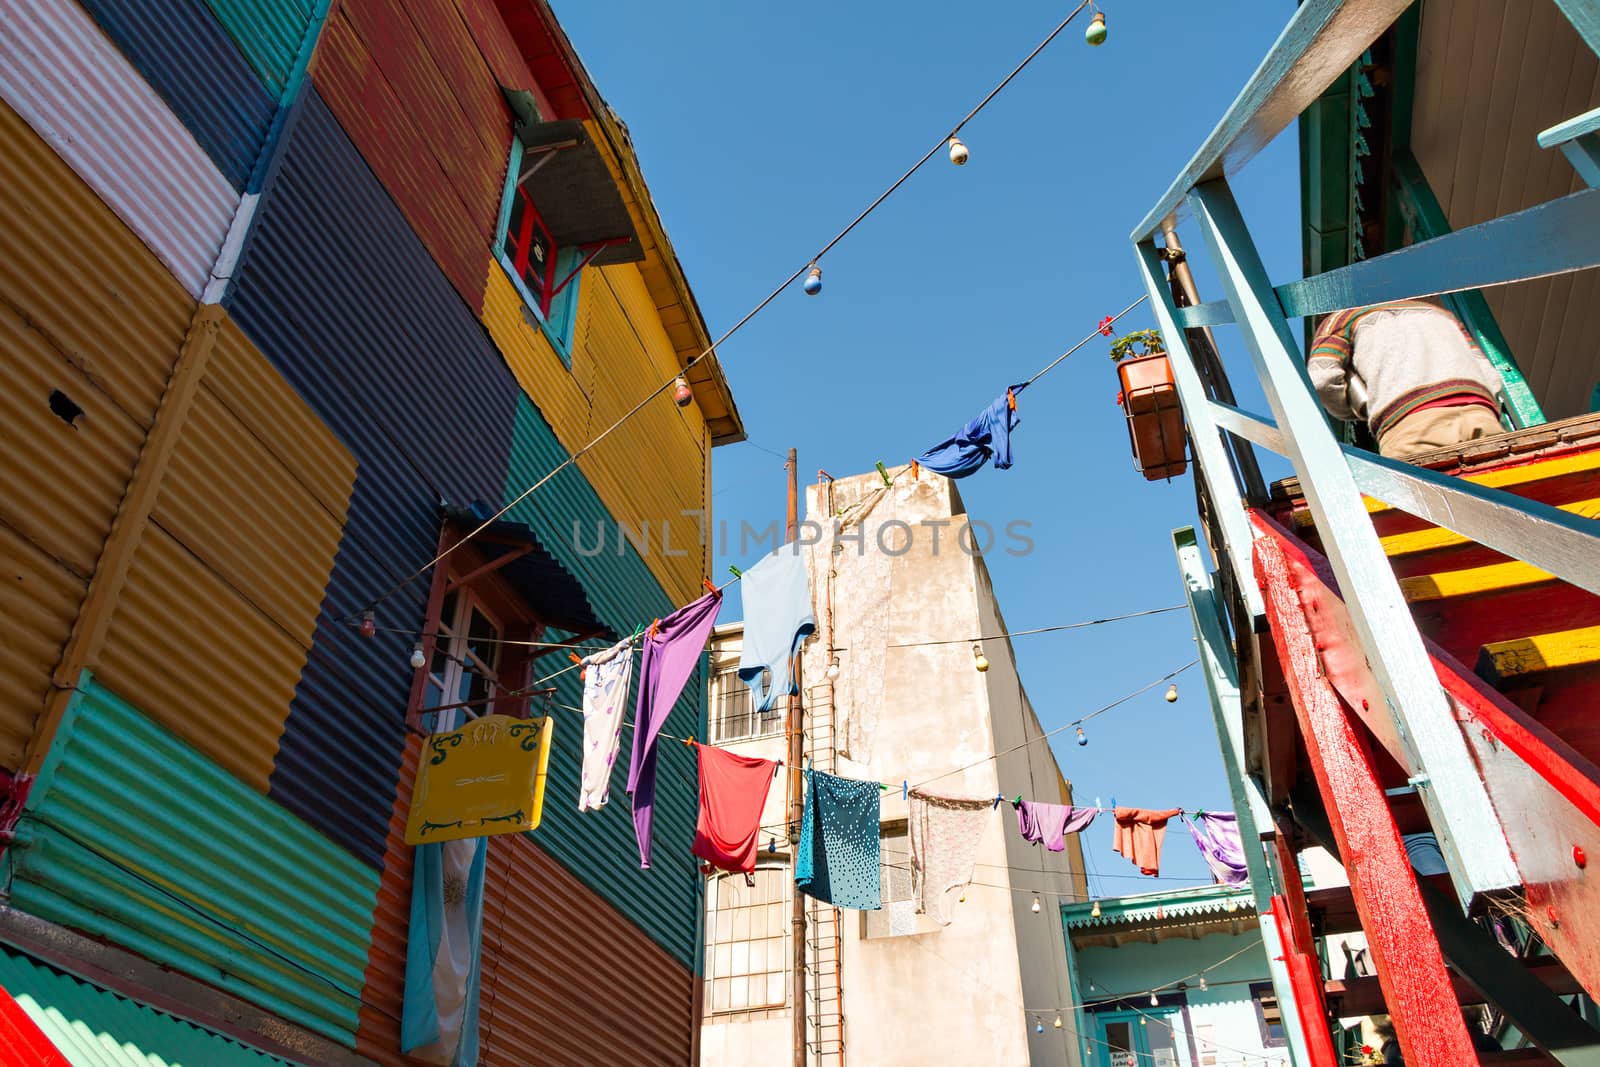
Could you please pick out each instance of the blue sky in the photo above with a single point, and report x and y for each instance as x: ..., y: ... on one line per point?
x: 764, y: 128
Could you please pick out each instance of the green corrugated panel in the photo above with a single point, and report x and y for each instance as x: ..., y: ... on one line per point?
x: 599, y: 847
x: 269, y: 34
x: 132, y: 835
x: 94, y: 1028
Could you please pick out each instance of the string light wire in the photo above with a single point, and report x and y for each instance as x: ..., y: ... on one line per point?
x: 737, y: 326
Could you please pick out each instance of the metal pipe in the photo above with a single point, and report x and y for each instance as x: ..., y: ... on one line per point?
x: 796, y: 748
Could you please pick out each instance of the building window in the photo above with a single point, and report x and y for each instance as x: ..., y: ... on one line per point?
x: 733, y: 710
x: 464, y: 677
x: 898, y: 915
x: 747, y: 937
x: 545, y: 274
x: 1268, y: 1015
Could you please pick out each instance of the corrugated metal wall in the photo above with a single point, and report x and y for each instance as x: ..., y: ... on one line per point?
x: 619, y: 350
x: 89, y: 1025
x: 549, y: 942
x: 134, y: 836
x: 100, y: 324
x: 228, y: 579
x: 408, y: 85
x: 72, y: 85
x: 186, y: 56
x: 269, y: 34
x: 342, y: 297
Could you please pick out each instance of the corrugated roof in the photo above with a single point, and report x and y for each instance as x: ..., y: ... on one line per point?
x: 94, y: 1028
x: 548, y: 588
x: 1147, y: 909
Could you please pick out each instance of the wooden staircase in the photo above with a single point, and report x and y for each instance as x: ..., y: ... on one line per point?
x: 1518, y: 651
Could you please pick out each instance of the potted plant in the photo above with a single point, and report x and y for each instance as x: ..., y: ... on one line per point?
x: 1149, y: 400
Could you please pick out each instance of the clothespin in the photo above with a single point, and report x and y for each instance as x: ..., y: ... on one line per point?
x: 735, y: 571
x: 653, y: 625
x: 882, y: 788
x: 1016, y: 802
x: 905, y: 790
x: 916, y: 470
x: 1113, y: 803
x: 713, y: 590
x: 688, y: 742
x: 637, y: 630
x: 883, y: 473
x: 574, y: 657
x: 996, y: 803
x: 1011, y: 400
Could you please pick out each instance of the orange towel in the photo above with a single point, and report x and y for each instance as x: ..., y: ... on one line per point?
x: 1139, y: 835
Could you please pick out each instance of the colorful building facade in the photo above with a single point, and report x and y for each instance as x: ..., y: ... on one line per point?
x: 296, y: 296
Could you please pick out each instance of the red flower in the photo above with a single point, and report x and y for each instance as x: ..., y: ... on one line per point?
x: 1367, y: 1050
x: 1105, y: 326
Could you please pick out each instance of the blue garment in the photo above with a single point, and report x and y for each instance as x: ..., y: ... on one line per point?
x: 439, y: 1018
x: 837, y: 861
x: 987, y: 435
x: 777, y: 617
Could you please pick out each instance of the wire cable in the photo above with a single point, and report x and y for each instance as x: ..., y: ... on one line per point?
x: 1038, y: 630
x: 737, y: 326
x: 1097, y: 333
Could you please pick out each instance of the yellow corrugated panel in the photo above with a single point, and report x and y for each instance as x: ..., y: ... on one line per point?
x: 82, y: 279
x: 61, y: 482
x: 653, y: 468
x: 38, y: 600
x: 198, y: 658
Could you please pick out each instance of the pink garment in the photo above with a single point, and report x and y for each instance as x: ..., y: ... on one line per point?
x: 945, y: 832
x: 733, y: 790
x: 1049, y: 824
x: 1139, y: 835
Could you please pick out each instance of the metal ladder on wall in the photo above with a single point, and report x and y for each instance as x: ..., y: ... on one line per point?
x: 824, y: 996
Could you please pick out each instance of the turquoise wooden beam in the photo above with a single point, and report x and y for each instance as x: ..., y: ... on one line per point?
x: 1456, y: 800
x: 1317, y: 46
x: 1579, y: 140
x: 1585, y: 18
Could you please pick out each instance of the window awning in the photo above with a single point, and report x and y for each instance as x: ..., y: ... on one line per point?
x: 513, y: 551
x: 565, y: 174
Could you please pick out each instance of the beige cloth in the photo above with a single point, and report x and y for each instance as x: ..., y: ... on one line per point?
x: 1441, y: 427
x: 945, y: 833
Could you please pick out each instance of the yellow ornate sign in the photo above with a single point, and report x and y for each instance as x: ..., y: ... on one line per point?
x: 485, y: 778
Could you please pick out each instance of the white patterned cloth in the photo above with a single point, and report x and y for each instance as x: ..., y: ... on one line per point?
x: 945, y: 834
x: 606, y: 678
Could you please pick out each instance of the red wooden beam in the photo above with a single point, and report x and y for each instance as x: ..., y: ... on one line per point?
x: 1410, y: 966
x: 1305, y: 976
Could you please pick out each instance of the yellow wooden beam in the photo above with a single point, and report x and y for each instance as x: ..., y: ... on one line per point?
x: 1470, y: 581
x: 1436, y: 537
x: 1538, y: 471
x: 127, y: 528
x: 1542, y: 652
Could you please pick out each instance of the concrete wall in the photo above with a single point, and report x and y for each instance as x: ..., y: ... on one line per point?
x: 954, y: 994
x: 1225, y: 1005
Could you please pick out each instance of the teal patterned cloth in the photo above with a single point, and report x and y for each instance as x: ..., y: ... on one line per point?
x: 838, y: 858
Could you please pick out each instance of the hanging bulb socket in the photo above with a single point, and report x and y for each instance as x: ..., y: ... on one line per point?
x: 1082, y: 740
x: 1058, y: 1021
x: 979, y: 660
x: 958, y: 152
x: 369, y: 625
x: 1172, y: 693
x: 813, y: 283
x: 681, y: 393
x: 1037, y: 907
x: 1038, y: 1027
x: 1095, y: 33
x: 833, y: 669
x: 962, y: 899
x: 418, y: 660
x: 1155, y: 1001
x: 1202, y: 983
x: 1094, y: 912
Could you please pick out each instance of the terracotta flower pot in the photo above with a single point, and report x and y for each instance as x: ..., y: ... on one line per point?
x: 1155, y: 418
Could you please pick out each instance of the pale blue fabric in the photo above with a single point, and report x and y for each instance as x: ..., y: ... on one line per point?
x: 987, y: 435
x: 777, y: 617
x: 837, y: 859
x: 419, y: 1022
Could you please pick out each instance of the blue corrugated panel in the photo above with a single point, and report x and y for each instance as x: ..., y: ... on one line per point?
x: 338, y: 292
x: 90, y: 1025
x: 132, y: 835
x: 599, y: 847
x: 188, y: 59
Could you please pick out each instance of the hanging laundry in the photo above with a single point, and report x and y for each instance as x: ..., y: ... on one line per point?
x: 777, y: 617
x: 733, y: 790
x: 987, y: 435
x: 672, y: 650
x: 439, y: 1016
x: 1216, y: 834
x: 945, y: 833
x: 1139, y: 835
x: 838, y: 856
x: 605, y: 696
x: 1049, y: 824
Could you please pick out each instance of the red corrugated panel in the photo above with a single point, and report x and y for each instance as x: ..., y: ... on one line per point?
x: 380, y: 80
x: 500, y: 51
x: 566, y: 978
x: 529, y: 23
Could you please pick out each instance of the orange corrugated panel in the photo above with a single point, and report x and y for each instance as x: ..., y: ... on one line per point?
x: 198, y: 658
x: 383, y: 87
x: 567, y: 979
x: 39, y: 598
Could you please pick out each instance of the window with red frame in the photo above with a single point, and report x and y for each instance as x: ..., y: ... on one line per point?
x: 529, y: 247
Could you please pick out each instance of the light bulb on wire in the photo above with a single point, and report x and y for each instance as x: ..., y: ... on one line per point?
x: 1038, y: 1027
x: 1058, y: 1020
x: 813, y: 282
x: 1082, y: 740
x: 1172, y: 693
x: 1095, y: 33
x: 1202, y: 983
x: 833, y: 669
x: 1155, y: 1001
x: 418, y: 660
x: 958, y: 152
x: 369, y: 625
x: 979, y: 660
x: 1094, y: 912
x: 681, y: 393
x: 1037, y: 907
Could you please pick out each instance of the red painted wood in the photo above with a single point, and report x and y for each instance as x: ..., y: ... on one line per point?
x: 1463, y: 625
x: 1305, y: 977
x: 532, y: 28
x: 1410, y: 965
x: 499, y: 49
x: 22, y: 1043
